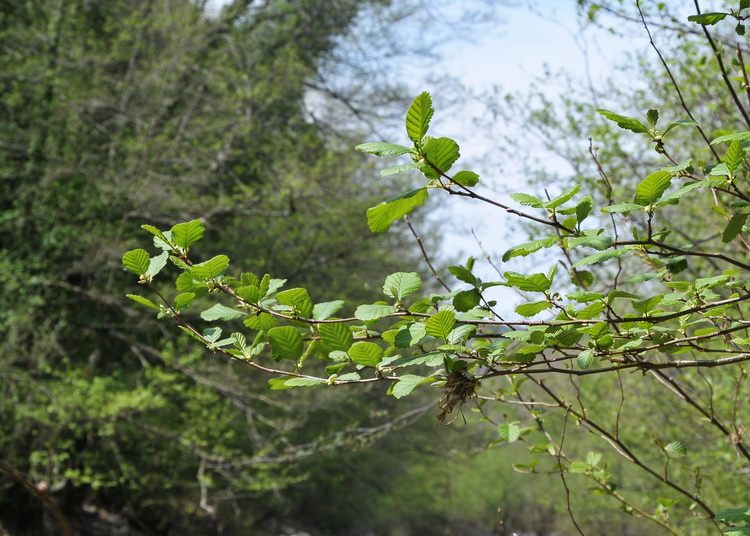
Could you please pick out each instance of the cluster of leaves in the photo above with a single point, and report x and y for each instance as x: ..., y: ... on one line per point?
x: 458, y: 337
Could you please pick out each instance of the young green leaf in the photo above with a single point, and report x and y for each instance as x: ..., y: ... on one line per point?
x: 441, y: 324
x: 583, y: 208
x: 564, y: 197
x: 211, y: 268
x: 463, y: 274
x: 136, y: 261
x: 527, y: 283
x: 680, y: 123
x: 369, y: 313
x: 221, y: 312
x: 402, y: 284
x: 621, y: 207
x: 597, y: 242
x: 409, y: 335
x: 260, y: 322
x: 188, y: 233
x: 652, y: 188
x: 286, y: 342
x: 628, y: 123
x: 739, y: 136
x: 585, y: 359
x: 442, y: 153
x: 709, y: 18
x: 510, y: 432
x: 406, y: 384
x: 466, y: 300
x: 380, y: 217
x: 155, y: 264
x: 735, y: 157
x: 528, y: 248
x: 528, y: 200
x: 163, y: 238
x: 734, y: 227
x: 533, y: 308
x: 325, y: 310
x: 336, y: 336
x: 183, y: 300
x: 677, y: 448
x: 466, y: 178
x: 367, y: 354
x: 398, y: 169
x: 143, y: 301
x: 298, y: 300
x: 652, y: 116
x: 418, y: 117
x: 381, y: 148
x: 601, y: 257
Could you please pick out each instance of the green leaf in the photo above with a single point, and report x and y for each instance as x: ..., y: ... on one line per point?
x: 510, y: 432
x: 463, y: 274
x: 466, y: 300
x: 708, y: 19
x: 136, y: 261
x: 652, y: 187
x: 585, y: 359
x: 221, y: 312
x: 260, y: 322
x: 652, y: 116
x: 143, y: 301
x: 212, y: 334
x: 409, y: 335
x: 734, y: 227
x: 739, y: 136
x: 336, y: 337
x: 158, y: 234
x: 155, y: 264
x: 441, y: 324
x: 622, y: 121
x: 187, y: 283
x: 583, y: 208
x: 381, y: 148
x: 188, y: 233
x: 298, y: 300
x: 597, y: 242
x: 418, y: 117
x: 466, y: 178
x: 369, y: 313
x: 286, y: 382
x: 677, y: 448
x: 211, y: 268
x: 380, y: 217
x: 621, y: 207
x: 441, y: 153
x: 675, y: 196
x: 735, y: 157
x: 681, y: 122
x: 367, y: 354
x: 527, y: 283
x: 286, y: 342
x: 734, y: 515
x: 398, y: 169
x: 406, y: 384
x: 533, y: 308
x: 601, y: 257
x: 183, y: 300
x: 564, y: 197
x: 528, y: 248
x: 402, y: 284
x: 325, y: 310
x: 528, y: 200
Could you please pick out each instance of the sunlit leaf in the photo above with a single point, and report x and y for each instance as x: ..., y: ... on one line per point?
x: 380, y: 217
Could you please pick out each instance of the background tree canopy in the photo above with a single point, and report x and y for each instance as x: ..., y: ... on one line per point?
x: 243, y: 119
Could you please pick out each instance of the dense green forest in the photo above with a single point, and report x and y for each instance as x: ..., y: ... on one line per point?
x: 242, y: 119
